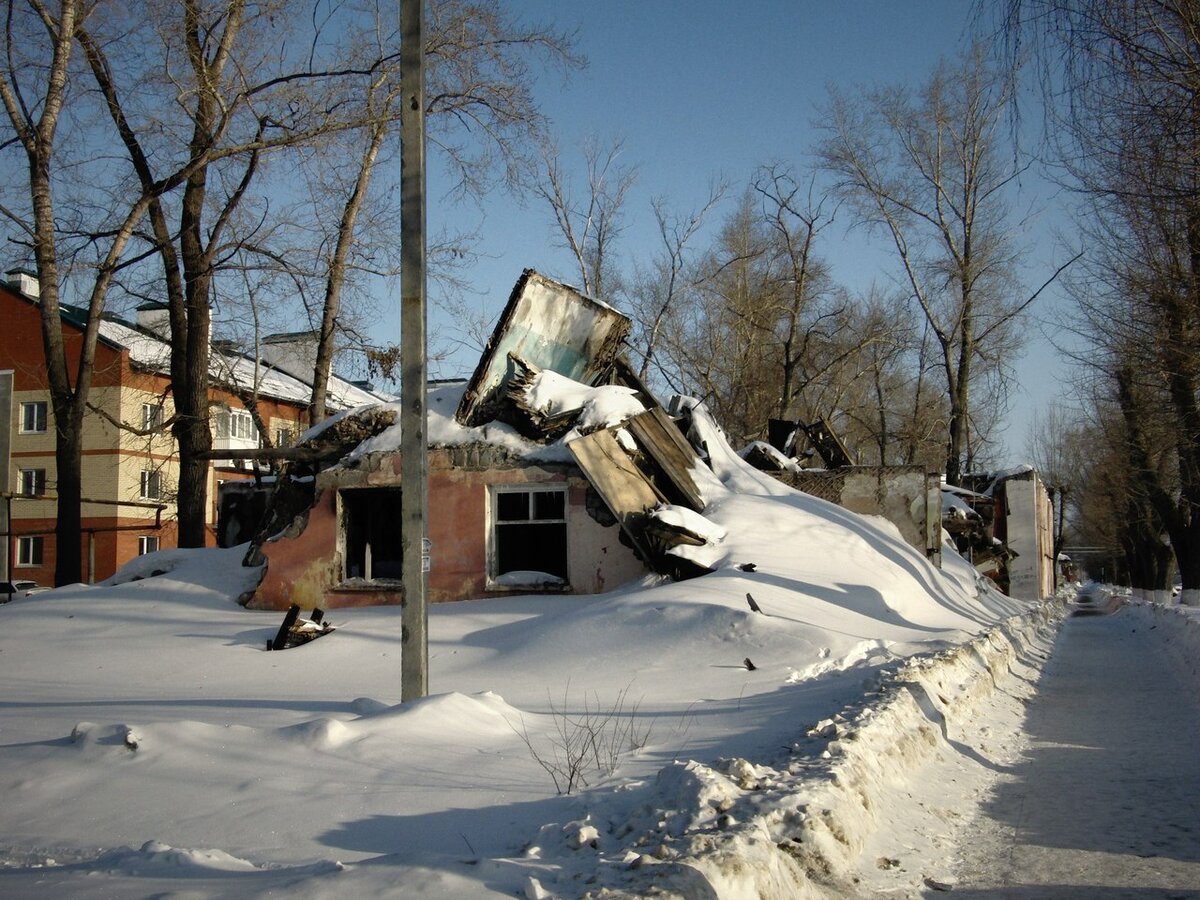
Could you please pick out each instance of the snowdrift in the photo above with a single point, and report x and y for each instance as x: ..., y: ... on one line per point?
x: 149, y: 744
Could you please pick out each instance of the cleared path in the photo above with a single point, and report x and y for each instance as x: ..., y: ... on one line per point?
x: 1105, y: 802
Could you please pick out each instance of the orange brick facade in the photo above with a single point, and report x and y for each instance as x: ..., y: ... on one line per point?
x: 120, y: 526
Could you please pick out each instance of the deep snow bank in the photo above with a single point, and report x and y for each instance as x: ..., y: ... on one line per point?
x: 796, y: 829
x: 1181, y: 634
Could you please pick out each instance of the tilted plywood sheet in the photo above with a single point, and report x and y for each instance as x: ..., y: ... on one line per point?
x: 551, y: 325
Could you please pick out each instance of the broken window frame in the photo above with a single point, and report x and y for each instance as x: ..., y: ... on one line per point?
x: 350, y: 507
x: 495, y: 577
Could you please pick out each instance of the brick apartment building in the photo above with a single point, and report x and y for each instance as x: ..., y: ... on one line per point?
x: 128, y: 478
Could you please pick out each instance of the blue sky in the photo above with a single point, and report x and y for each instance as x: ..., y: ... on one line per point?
x: 704, y: 89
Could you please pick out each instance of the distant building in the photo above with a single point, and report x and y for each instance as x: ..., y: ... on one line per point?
x: 129, y: 479
x: 1012, y: 540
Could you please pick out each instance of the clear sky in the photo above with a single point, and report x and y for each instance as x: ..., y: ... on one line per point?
x: 703, y: 89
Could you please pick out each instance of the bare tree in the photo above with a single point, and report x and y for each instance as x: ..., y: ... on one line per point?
x: 479, y: 88
x: 1129, y: 71
x: 656, y: 292
x: 205, y: 100
x: 588, y: 219
x: 764, y: 332
x: 933, y: 174
x: 35, y: 95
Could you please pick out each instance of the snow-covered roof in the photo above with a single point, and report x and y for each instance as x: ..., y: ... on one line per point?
x: 148, y: 351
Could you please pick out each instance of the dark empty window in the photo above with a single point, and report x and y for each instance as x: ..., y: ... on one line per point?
x: 151, y: 484
x: 529, y: 534
x: 371, y: 521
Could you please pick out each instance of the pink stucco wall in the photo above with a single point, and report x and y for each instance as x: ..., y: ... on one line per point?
x: 306, y: 568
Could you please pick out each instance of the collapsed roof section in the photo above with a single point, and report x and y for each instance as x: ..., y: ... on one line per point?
x: 553, y: 352
x: 547, y: 325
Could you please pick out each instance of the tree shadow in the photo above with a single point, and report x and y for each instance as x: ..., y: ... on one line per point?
x: 1109, y: 770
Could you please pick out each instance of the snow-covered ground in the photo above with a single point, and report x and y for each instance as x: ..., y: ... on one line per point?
x: 1097, y: 797
x: 149, y: 744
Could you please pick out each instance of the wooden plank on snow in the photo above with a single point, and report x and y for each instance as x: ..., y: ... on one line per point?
x: 625, y: 490
x: 658, y: 436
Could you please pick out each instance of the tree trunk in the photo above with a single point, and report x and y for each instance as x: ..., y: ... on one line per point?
x: 337, y: 272
x: 189, y: 369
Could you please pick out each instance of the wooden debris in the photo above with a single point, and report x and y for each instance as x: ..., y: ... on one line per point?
x: 295, y: 631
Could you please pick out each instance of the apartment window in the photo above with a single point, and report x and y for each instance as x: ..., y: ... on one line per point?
x: 152, y: 416
x: 29, y: 550
x: 33, y: 417
x: 151, y: 484
x: 284, y: 437
x: 529, y: 534
x: 371, y: 526
x: 33, y: 482
x: 147, y: 544
x: 236, y: 423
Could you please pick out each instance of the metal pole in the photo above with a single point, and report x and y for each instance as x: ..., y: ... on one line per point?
x: 414, y: 641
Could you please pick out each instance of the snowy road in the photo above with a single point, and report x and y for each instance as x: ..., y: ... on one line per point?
x: 1105, y: 801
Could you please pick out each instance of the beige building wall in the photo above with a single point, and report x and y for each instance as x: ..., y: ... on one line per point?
x: 145, y: 452
x: 32, y: 451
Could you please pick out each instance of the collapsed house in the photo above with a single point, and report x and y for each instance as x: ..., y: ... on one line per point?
x: 1003, y: 522
x: 907, y: 496
x: 552, y: 469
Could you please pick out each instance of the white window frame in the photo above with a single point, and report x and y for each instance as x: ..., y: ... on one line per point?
x: 41, y: 416
x: 33, y: 482
x: 31, y: 550
x: 241, y: 425
x: 494, y: 522
x: 147, y: 543
x: 151, y: 487
x: 152, y: 416
x: 235, y: 424
x: 285, y: 437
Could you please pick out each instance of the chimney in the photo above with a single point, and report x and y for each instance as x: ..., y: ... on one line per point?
x: 155, y: 318
x: 25, y: 281
x: 293, y: 352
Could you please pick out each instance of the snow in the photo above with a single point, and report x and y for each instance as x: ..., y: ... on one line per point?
x: 783, y: 462
x: 443, y: 431
x: 684, y: 519
x: 150, y: 745
x: 154, y: 353
x: 1096, y: 793
x: 956, y: 507
x: 552, y: 394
